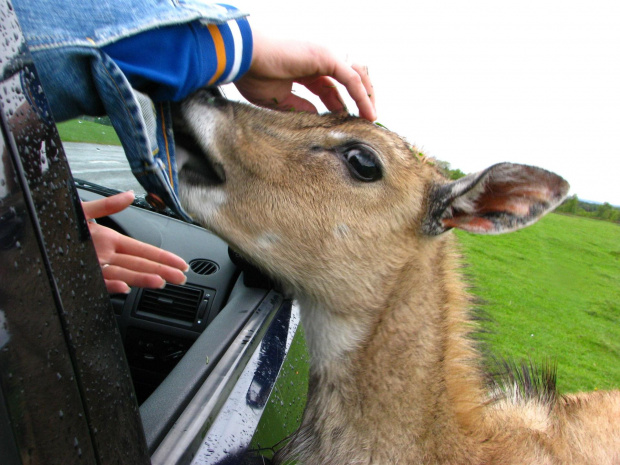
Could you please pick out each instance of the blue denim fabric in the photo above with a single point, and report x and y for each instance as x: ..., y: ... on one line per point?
x: 79, y: 78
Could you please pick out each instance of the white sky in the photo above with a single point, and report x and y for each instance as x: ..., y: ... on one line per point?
x: 479, y: 82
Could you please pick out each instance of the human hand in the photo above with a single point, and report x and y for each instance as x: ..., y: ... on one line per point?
x: 277, y: 64
x: 125, y: 261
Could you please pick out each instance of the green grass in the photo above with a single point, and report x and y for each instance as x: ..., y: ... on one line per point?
x: 553, y: 292
x: 79, y: 130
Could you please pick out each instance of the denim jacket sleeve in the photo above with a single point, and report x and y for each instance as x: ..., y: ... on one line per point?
x: 66, y: 40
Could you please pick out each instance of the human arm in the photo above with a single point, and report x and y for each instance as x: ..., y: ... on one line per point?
x: 125, y: 261
x: 187, y: 59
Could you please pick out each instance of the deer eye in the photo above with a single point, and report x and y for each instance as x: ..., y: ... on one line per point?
x: 362, y: 163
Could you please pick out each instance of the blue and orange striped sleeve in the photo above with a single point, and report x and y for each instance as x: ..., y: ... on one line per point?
x: 170, y: 63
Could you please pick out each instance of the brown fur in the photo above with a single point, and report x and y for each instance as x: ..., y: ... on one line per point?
x: 394, y: 376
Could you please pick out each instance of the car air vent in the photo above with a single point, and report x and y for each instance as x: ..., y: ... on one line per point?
x: 203, y: 267
x: 176, y: 302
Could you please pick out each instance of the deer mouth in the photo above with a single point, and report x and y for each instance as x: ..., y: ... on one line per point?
x: 196, y: 165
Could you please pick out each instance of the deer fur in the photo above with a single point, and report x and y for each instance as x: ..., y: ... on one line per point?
x: 394, y: 375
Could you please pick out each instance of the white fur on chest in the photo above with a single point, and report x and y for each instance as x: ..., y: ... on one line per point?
x: 329, y: 336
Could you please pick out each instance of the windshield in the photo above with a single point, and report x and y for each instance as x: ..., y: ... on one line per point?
x: 95, y: 154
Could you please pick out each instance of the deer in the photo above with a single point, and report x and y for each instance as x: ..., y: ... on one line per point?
x: 356, y: 225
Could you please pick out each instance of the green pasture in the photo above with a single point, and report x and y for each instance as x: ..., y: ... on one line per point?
x: 79, y: 130
x: 551, y: 293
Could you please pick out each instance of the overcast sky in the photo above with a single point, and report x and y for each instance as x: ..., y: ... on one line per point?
x: 480, y: 82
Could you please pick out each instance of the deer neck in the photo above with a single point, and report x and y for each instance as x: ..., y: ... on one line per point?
x: 398, y: 378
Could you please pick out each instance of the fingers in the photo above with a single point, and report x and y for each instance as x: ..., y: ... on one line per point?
x: 367, y: 104
x: 359, y: 89
x: 108, y: 206
x: 128, y: 262
x: 116, y: 275
x: 138, y: 264
x: 117, y: 287
x: 356, y: 80
x: 276, y: 64
x: 134, y: 278
x: 295, y: 103
x: 354, y: 77
x: 326, y: 90
x: 133, y: 248
x: 141, y: 272
x: 136, y: 272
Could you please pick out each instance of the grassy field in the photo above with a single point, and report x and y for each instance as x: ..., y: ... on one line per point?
x: 78, y: 130
x: 553, y: 292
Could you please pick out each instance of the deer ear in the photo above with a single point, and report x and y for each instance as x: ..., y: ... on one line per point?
x: 503, y: 198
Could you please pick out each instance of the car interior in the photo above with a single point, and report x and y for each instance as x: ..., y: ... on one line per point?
x: 159, y: 325
x: 171, y: 336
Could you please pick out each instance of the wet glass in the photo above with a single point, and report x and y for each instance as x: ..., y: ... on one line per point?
x: 95, y: 154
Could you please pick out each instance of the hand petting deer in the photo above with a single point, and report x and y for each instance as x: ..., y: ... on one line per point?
x: 354, y: 224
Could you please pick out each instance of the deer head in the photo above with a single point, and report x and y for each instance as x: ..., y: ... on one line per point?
x: 324, y: 201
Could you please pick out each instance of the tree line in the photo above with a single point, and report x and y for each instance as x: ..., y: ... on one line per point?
x: 573, y: 206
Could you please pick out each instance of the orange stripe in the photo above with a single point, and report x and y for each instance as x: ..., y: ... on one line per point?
x: 220, y: 52
x: 163, y: 128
